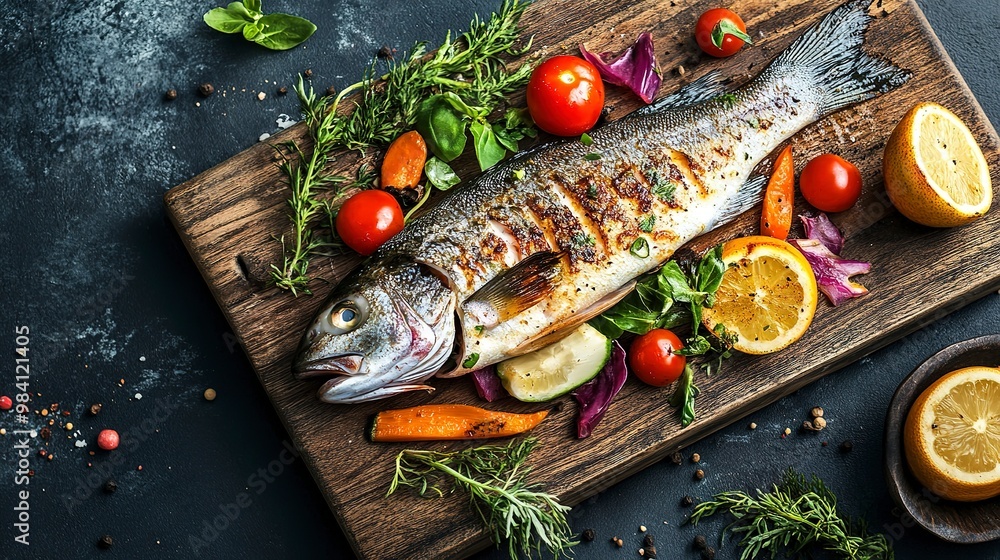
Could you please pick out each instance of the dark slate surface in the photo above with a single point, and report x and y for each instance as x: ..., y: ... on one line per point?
x: 91, y: 265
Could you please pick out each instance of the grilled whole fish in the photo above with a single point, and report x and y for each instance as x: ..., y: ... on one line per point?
x: 548, y: 239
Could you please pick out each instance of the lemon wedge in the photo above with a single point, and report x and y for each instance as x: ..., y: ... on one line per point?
x: 935, y: 173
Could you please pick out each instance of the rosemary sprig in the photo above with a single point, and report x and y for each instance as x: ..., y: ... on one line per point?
x: 797, y: 514
x: 495, y: 478
x: 473, y: 67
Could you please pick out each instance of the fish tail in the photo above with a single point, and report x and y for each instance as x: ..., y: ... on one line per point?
x: 831, y: 52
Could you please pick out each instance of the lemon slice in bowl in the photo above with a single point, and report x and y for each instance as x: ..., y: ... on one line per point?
x: 952, y: 435
x: 935, y: 173
x: 767, y: 297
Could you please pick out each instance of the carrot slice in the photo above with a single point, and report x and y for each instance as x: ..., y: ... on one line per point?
x: 449, y: 421
x: 404, y: 161
x: 779, y: 199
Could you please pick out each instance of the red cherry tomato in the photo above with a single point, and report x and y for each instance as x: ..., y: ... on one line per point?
x: 368, y: 219
x: 830, y: 183
x: 724, y: 23
x: 107, y: 440
x: 565, y: 95
x: 653, y: 360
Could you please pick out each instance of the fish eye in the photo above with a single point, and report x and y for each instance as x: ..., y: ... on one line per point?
x: 346, y: 316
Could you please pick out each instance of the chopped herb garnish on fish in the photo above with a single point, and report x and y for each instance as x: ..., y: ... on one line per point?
x: 639, y: 248
x: 754, y: 122
x: 727, y: 99
x: 480, y: 328
x: 592, y: 191
x: 518, y: 174
x: 592, y: 156
x: 586, y: 140
x: 646, y: 224
x: 495, y: 477
x: 664, y: 190
x: 471, y: 360
x: 583, y: 240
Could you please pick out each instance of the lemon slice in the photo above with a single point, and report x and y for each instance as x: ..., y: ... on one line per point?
x: 558, y: 368
x: 952, y: 435
x: 767, y: 296
x: 935, y: 172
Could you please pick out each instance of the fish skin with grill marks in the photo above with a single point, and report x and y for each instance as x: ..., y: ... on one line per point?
x: 540, y: 243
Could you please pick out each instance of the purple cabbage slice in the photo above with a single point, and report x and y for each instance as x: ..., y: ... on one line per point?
x: 832, y: 272
x: 488, y: 384
x: 595, y: 395
x: 635, y: 68
x: 823, y: 230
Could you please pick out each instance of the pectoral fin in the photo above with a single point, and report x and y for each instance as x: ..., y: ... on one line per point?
x: 516, y: 289
x: 559, y: 330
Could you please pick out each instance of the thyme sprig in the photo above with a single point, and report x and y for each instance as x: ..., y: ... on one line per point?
x: 495, y: 478
x: 473, y: 67
x: 797, y: 514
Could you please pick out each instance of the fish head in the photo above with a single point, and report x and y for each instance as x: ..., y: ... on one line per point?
x: 385, y: 329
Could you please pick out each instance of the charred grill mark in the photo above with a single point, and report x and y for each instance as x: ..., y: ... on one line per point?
x: 583, y: 200
x: 629, y: 187
x: 493, y: 248
x: 564, y: 229
x: 529, y: 237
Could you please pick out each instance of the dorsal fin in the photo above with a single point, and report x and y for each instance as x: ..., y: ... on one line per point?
x: 559, y: 330
x: 516, y: 289
x: 704, y: 88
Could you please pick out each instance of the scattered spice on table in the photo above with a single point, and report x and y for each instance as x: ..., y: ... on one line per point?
x: 699, y: 474
x: 331, y: 91
x: 753, y: 425
x: 95, y: 408
x: 170, y: 95
x: 308, y: 73
x: 110, y: 486
x: 816, y: 412
x: 45, y: 412
x: 708, y: 554
x: 686, y: 501
x: 642, y: 528
x: 69, y: 426
x: 105, y: 541
x: 65, y: 413
x: 261, y: 96
x: 618, y: 542
x: 846, y: 446
x: 676, y: 458
x: 282, y: 90
x: 107, y: 440
x: 384, y: 52
x: 588, y: 535
x: 45, y: 433
x: 210, y: 394
x: 700, y: 543
x: 695, y: 458
x: 205, y: 90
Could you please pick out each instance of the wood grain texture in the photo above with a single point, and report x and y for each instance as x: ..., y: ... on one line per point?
x: 228, y: 215
x: 958, y: 522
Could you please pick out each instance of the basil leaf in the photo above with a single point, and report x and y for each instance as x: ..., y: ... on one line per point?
x: 440, y: 174
x: 455, y: 101
x: 221, y: 19
x: 251, y: 5
x: 505, y: 138
x: 697, y: 346
x: 252, y: 30
x: 710, y: 271
x: 488, y: 151
x: 282, y: 31
x: 442, y: 127
x: 684, y: 396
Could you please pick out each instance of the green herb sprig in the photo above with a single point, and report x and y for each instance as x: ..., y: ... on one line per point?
x: 495, y: 478
x: 798, y: 514
x: 275, y: 31
x: 473, y: 68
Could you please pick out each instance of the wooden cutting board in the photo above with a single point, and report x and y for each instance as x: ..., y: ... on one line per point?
x: 228, y: 215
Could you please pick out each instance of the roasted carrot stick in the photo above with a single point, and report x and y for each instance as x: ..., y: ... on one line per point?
x: 404, y: 161
x: 449, y: 421
x: 779, y: 199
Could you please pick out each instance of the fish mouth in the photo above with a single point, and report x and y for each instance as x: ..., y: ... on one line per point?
x: 343, y: 364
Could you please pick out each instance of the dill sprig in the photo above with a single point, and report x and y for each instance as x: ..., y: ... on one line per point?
x: 473, y: 67
x: 797, y: 514
x: 495, y: 478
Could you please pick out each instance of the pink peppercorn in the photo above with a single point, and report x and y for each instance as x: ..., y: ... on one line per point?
x: 6, y: 403
x: 107, y: 440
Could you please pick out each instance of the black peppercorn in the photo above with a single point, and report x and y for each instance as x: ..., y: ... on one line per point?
x: 708, y: 554
x: 170, y: 95
x: 331, y: 91
x: 105, y: 541
x: 282, y: 90
x: 111, y: 486
x: 587, y: 535
x: 676, y: 458
x: 206, y: 89
x: 308, y: 73
x: 45, y: 432
x: 384, y: 52
x: 650, y: 551
x: 846, y: 446
x: 700, y: 543
x: 686, y: 501
x: 95, y: 408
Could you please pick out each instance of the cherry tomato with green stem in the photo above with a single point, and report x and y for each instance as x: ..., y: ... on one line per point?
x: 653, y: 360
x: 721, y: 33
x: 830, y: 183
x: 565, y: 95
x: 368, y: 219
